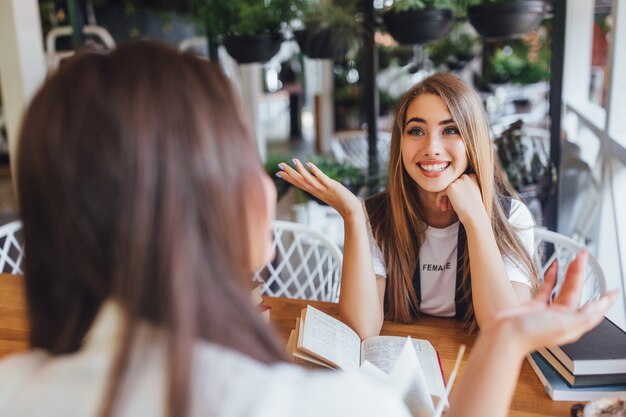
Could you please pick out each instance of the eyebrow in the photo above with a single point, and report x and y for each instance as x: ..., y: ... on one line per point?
x: 420, y: 120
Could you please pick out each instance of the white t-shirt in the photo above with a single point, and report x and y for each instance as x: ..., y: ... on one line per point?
x: 225, y: 383
x: 438, y: 256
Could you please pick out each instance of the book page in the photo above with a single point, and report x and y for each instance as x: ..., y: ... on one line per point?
x: 302, y: 359
x: 383, y: 352
x: 329, y: 339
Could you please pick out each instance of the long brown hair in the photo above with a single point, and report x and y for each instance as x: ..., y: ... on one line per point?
x: 396, y: 216
x: 135, y: 169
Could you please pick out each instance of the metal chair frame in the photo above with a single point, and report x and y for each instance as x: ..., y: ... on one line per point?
x: 551, y: 246
x: 307, y: 265
x: 11, y: 248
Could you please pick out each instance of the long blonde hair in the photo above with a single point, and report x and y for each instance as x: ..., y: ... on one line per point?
x: 396, y: 215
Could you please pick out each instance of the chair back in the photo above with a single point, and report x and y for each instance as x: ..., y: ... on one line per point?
x: 351, y: 146
x: 551, y: 246
x: 11, y: 248
x: 307, y: 265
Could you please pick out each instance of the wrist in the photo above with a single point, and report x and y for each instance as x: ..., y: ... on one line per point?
x: 506, y: 333
x: 477, y: 220
x: 353, y: 212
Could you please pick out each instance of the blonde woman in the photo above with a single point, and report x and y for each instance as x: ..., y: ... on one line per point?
x: 446, y: 238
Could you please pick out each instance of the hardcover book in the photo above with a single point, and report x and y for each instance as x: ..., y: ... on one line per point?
x: 600, y: 351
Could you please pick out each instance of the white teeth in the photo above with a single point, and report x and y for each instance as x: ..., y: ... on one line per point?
x: 434, y: 167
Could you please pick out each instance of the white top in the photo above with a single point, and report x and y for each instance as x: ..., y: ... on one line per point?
x: 225, y: 383
x: 438, y: 256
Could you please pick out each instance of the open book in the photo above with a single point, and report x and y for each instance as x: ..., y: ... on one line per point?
x: 325, y: 341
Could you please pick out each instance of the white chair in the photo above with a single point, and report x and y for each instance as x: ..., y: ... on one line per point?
x: 551, y: 246
x: 11, y: 248
x: 307, y: 265
x: 351, y: 146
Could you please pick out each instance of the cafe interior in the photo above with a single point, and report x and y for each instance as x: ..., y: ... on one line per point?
x: 320, y: 81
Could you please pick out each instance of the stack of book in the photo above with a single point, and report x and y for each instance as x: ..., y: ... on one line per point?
x: 591, y: 368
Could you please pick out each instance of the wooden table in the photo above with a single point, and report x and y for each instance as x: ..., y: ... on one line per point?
x: 13, y: 323
x: 445, y: 335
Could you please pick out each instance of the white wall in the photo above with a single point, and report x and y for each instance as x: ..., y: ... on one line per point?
x: 601, y: 134
x: 22, y: 62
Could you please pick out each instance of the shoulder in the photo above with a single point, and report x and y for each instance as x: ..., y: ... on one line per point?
x: 16, y: 375
x: 21, y: 363
x: 520, y: 215
x: 236, y: 385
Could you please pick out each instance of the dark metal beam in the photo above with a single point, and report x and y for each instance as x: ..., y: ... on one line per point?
x: 76, y: 10
x: 556, y: 93
x: 370, y: 90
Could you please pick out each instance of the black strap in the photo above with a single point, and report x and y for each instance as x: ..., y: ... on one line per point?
x: 461, y: 303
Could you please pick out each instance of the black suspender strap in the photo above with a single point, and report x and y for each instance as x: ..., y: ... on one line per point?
x: 417, y: 288
x: 461, y: 303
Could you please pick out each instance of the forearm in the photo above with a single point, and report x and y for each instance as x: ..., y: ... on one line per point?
x: 492, y: 292
x: 359, y: 303
x: 490, y: 376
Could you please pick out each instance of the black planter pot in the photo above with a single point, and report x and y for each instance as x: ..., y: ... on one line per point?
x: 464, y: 56
x: 324, y: 43
x: 247, y: 49
x: 507, y: 19
x: 418, y: 26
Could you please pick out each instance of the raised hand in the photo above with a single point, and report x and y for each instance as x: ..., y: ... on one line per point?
x: 543, y: 323
x: 464, y: 197
x: 320, y: 185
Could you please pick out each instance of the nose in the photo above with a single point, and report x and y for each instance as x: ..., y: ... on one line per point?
x: 433, y: 146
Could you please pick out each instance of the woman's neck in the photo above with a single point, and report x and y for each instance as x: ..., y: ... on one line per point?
x: 433, y: 216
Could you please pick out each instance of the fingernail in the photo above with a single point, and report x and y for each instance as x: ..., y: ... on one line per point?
x: 295, y: 161
x: 308, y: 164
x: 280, y: 166
x: 278, y: 175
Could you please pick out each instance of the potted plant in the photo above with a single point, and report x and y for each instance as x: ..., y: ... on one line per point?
x: 250, y: 29
x: 330, y: 28
x: 453, y: 51
x: 271, y: 167
x: 419, y: 21
x: 348, y: 175
x: 502, y: 19
x: 526, y: 163
x: 518, y: 61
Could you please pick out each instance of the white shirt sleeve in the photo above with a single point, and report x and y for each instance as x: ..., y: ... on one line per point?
x: 523, y: 224
x: 377, y: 255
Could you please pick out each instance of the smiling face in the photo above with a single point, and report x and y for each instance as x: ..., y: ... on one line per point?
x: 433, y: 151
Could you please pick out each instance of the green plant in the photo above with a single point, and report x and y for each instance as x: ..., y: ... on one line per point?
x: 447, y: 48
x: 343, y: 172
x: 329, y: 14
x: 271, y: 167
x: 524, y: 158
x: 406, y: 5
x: 522, y: 61
x: 245, y: 17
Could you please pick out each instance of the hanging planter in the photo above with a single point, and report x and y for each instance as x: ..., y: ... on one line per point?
x: 247, y: 49
x: 507, y: 19
x: 324, y: 43
x: 418, y: 26
x: 330, y: 28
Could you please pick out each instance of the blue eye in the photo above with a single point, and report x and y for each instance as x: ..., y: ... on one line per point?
x: 450, y: 130
x: 415, y: 131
